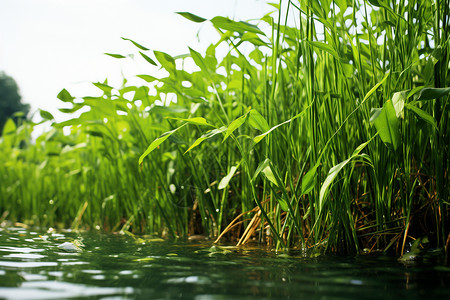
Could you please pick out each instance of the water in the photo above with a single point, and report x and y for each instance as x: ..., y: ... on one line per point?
x: 33, y: 266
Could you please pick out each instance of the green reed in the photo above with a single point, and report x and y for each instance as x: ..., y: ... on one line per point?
x: 329, y: 130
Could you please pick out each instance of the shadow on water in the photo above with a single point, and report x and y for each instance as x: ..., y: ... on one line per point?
x: 38, y: 265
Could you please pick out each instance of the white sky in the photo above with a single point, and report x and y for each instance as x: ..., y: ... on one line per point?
x: 48, y: 45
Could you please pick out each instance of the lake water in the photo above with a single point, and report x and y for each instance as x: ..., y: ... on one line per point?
x: 38, y: 265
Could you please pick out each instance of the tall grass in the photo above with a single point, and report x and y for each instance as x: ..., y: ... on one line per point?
x: 329, y: 130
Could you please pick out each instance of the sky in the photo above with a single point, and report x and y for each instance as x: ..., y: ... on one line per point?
x: 48, y: 45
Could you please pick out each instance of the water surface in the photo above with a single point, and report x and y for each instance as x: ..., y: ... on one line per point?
x: 33, y: 266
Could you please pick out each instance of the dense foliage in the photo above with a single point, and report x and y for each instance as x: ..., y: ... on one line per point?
x: 11, y: 105
x: 330, y: 129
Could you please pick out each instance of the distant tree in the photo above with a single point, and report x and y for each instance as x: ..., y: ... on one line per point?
x: 10, y: 99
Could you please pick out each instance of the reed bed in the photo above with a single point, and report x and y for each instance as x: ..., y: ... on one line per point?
x: 325, y: 126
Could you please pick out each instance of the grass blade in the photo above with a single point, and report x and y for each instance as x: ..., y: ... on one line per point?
x: 192, y: 17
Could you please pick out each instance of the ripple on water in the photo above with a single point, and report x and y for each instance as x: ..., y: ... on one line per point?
x: 98, y: 277
x: 27, y: 264
x: 190, y: 279
x: 34, y: 277
x: 74, y: 263
x: 20, y: 249
x: 115, y: 268
x: 92, y: 271
x: 58, y: 274
x: 25, y: 256
x: 125, y: 272
x: 36, y: 290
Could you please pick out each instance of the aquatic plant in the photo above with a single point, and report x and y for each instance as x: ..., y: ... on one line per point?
x: 325, y: 124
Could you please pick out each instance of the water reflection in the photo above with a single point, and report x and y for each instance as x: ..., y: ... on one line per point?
x: 34, y: 266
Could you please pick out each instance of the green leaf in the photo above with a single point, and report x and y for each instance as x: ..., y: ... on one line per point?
x: 148, y: 59
x: 168, y: 110
x: 65, y: 96
x: 156, y: 143
x: 384, y: 4
x: 75, y: 107
x: 115, y: 55
x: 267, y: 171
x: 331, y: 176
x: 253, y: 38
x: 324, y: 47
x: 387, y: 125
x: 355, y: 51
x: 19, y: 114
x: 334, y: 171
x: 46, y: 115
x: 166, y: 61
x: 414, y: 90
x: 258, y: 138
x: 196, y: 143
x: 261, y: 166
x: 177, y: 139
x: 199, y: 61
x: 398, y: 100
x: 342, y: 4
x: 375, y: 87
x: 283, y: 203
x: 241, y: 27
x: 136, y: 44
x: 257, y: 121
x: 196, y: 121
x: 141, y: 94
x: 95, y: 133
x: 273, y: 175
x: 104, y: 87
x: 235, y: 125
x: 98, y: 104
x: 257, y: 56
x: 433, y: 93
x: 361, y: 147
x: 422, y: 114
x: 264, y: 167
x: 375, y: 113
x: 377, y: 3
x: 224, y: 182
x: 192, y: 17
x: 147, y: 78
x: 9, y: 127
x: 309, y: 179
x: 206, y: 136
